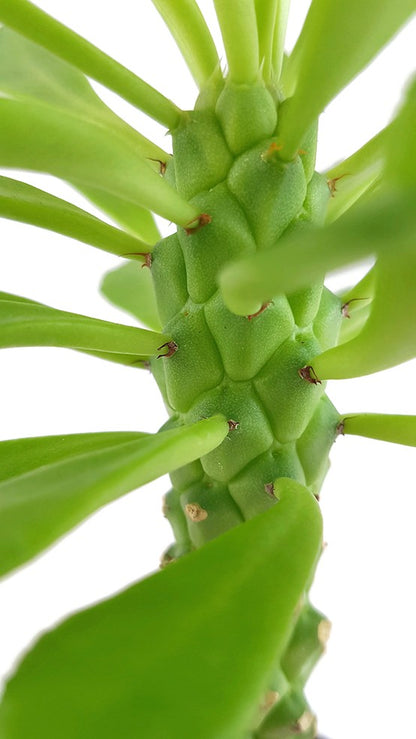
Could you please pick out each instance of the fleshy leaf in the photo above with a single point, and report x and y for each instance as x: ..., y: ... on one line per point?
x: 191, y: 33
x: 50, y: 484
x: 337, y: 41
x: 22, y: 202
x: 137, y: 221
x: 29, y: 72
x: 40, y: 137
x: 26, y: 323
x: 153, y: 661
x: 238, y: 24
x: 394, y: 428
x: 130, y: 287
x: 381, y: 224
x: 388, y: 336
x: 358, y: 174
x: 38, y: 26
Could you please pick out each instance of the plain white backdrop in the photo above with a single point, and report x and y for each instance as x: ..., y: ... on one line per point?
x: 364, y: 687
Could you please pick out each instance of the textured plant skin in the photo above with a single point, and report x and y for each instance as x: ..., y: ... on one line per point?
x: 245, y: 367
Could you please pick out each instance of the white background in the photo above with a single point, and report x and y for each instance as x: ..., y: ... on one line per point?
x: 364, y: 687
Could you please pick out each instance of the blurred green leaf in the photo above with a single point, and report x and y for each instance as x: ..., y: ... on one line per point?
x: 29, y: 72
x: 383, y: 426
x: 388, y: 336
x: 38, y: 26
x: 137, y: 221
x: 50, y: 484
x: 350, y: 179
x: 185, y: 653
x: 22, y: 202
x: 191, y: 33
x: 27, y: 323
x: 337, y: 41
x: 130, y: 287
x: 43, y: 138
x: 384, y: 223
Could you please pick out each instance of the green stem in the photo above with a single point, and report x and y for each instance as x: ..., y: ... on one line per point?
x: 191, y: 33
x: 38, y: 26
x: 237, y: 19
x: 266, y: 11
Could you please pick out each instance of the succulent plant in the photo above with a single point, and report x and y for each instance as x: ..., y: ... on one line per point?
x: 241, y: 335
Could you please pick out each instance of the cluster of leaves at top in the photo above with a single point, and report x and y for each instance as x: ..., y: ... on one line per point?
x: 241, y: 336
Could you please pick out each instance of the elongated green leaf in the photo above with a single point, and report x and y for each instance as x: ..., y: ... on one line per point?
x: 49, y: 484
x: 395, y: 428
x: 279, y: 37
x: 185, y: 653
x: 237, y: 19
x: 337, y: 41
x: 137, y: 221
x: 22, y: 202
x: 190, y: 31
x: 38, y: 26
x: 26, y: 323
x: 379, y: 225
x: 130, y: 287
x: 266, y: 14
x: 40, y: 137
x: 388, y: 337
x: 350, y: 179
x: 29, y: 72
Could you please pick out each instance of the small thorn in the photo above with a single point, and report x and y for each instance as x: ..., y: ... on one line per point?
x: 308, y: 373
x: 272, y: 153
x: 166, y: 559
x: 324, y: 632
x: 232, y: 425
x: 172, y: 347
x: 195, y: 512
x: 345, y: 307
x: 193, y: 226
x: 269, y: 489
x: 332, y: 183
x: 162, y: 165
x: 261, y: 309
x: 339, y: 431
x: 146, y: 254
x: 345, y: 310
x: 302, y: 152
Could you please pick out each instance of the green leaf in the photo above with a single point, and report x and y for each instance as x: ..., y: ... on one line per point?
x: 350, y: 179
x: 190, y: 31
x: 26, y: 323
x: 185, y: 653
x: 337, y: 41
x: 38, y: 26
x: 40, y: 137
x: 137, y: 221
x: 50, y: 484
x: 401, y: 145
x: 266, y: 15
x: 22, y: 202
x: 238, y: 24
x: 386, y: 222
x: 394, y: 428
x: 272, y: 16
x: 131, y: 288
x: 29, y: 72
x: 388, y: 336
